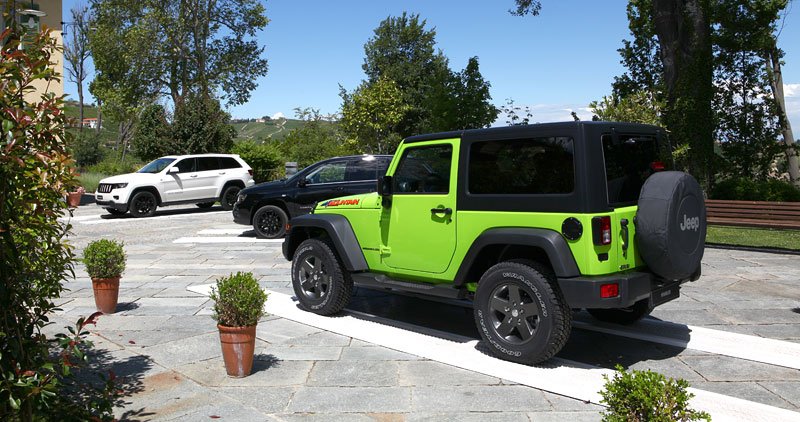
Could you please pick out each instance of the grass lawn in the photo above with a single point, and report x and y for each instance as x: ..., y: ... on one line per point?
x: 761, y: 238
x: 89, y: 181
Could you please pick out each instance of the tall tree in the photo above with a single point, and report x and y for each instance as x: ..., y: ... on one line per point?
x: 473, y: 109
x: 181, y: 48
x: 370, y: 116
x: 403, y: 50
x: 744, y: 104
x: 76, y: 51
x: 683, y: 29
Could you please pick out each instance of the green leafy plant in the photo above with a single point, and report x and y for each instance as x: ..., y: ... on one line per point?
x: 647, y: 396
x: 238, y: 300
x: 104, y: 258
x: 264, y: 158
x: 36, y: 172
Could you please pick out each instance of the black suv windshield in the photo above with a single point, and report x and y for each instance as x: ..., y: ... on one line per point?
x: 630, y: 160
x: 156, y: 165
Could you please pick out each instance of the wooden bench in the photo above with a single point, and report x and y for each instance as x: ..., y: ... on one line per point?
x: 776, y: 215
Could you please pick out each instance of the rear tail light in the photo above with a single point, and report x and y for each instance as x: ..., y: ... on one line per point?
x: 657, y: 166
x: 601, y: 230
x: 250, y: 171
x: 609, y: 290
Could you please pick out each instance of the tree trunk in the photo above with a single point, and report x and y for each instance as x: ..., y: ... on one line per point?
x: 683, y: 29
x: 80, y: 105
x: 99, y: 115
x: 776, y: 79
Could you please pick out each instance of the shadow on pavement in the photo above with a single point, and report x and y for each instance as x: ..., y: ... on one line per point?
x: 264, y: 361
x: 127, y: 306
x: 161, y: 212
x: 454, y: 321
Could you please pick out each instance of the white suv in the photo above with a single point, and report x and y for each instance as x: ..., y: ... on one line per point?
x: 201, y: 179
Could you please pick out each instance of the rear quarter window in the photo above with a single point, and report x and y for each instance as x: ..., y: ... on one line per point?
x: 229, y: 163
x: 522, y: 166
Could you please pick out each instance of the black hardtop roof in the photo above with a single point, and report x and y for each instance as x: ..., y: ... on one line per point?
x: 525, y: 130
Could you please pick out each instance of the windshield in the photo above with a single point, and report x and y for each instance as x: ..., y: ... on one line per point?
x: 630, y: 160
x: 156, y: 165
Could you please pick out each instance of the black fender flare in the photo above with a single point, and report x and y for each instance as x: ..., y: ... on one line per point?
x: 551, y: 242
x: 339, y: 231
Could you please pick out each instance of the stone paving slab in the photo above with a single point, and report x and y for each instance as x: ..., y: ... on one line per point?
x: 165, y: 344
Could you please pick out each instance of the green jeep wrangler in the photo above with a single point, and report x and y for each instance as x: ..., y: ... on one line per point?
x: 527, y: 222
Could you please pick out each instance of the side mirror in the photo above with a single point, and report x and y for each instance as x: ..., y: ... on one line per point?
x: 385, y: 190
x: 302, y: 182
x: 173, y: 170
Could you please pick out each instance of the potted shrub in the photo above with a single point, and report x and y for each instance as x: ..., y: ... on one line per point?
x: 74, y: 197
x: 238, y: 305
x: 105, y: 262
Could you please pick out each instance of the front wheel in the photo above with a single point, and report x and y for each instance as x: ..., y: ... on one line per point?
x: 143, y: 204
x: 269, y: 222
x: 229, y: 197
x: 623, y: 316
x: 320, y: 282
x: 521, y: 313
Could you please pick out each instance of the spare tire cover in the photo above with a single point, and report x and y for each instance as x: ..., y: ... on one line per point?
x: 671, y: 224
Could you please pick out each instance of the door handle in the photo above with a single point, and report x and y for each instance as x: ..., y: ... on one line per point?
x: 338, y: 188
x: 445, y: 211
x: 222, y: 172
x: 194, y: 175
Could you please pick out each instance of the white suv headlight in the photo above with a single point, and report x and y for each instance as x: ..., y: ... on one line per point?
x: 118, y: 185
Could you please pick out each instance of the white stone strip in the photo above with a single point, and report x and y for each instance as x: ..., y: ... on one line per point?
x: 80, y: 218
x: 743, y: 346
x: 224, y: 231
x: 214, y: 239
x: 559, y: 376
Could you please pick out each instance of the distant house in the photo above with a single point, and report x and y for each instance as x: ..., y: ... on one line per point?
x: 89, y: 122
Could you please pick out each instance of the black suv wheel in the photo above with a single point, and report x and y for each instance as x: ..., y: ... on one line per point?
x: 520, y: 313
x: 320, y: 283
x: 269, y: 222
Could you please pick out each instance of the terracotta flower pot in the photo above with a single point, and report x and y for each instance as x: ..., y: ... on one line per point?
x: 106, y: 294
x: 238, y: 347
x: 74, y: 199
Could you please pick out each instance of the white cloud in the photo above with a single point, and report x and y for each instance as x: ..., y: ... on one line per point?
x: 791, y: 90
x: 278, y: 115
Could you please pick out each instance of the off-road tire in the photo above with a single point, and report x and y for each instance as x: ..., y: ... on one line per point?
x: 143, y: 204
x: 228, y: 197
x: 114, y: 211
x: 269, y: 222
x: 542, y: 319
x: 320, y: 282
x: 205, y: 205
x: 623, y: 316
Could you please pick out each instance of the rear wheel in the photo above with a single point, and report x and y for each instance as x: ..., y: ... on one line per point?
x: 269, y: 222
x: 520, y: 312
x: 143, y: 204
x: 229, y: 197
x: 320, y: 282
x: 204, y: 205
x: 624, y: 316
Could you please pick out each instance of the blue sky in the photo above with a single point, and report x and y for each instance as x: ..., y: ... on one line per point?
x: 555, y: 63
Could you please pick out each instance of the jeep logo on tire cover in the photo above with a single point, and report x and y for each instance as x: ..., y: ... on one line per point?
x: 692, y: 223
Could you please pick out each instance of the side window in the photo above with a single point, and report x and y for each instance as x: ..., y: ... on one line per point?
x: 522, y: 166
x: 187, y: 165
x: 207, y: 163
x: 424, y: 170
x: 359, y: 170
x: 229, y: 163
x: 328, y: 173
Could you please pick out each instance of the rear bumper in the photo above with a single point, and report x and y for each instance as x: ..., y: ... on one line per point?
x: 584, y: 292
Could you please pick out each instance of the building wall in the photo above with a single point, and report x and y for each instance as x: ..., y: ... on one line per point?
x: 52, y: 20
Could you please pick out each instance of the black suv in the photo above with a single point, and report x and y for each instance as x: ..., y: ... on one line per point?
x: 269, y: 206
